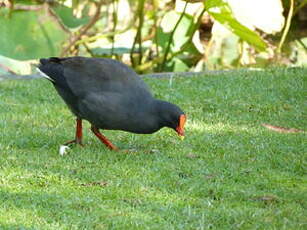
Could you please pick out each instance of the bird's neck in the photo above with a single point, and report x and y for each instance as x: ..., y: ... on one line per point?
x: 150, y: 117
x: 160, y: 109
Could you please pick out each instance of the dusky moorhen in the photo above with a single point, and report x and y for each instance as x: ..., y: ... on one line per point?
x: 110, y: 95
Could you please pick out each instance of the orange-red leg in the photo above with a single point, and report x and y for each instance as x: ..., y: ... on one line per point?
x: 78, y: 138
x: 103, y: 139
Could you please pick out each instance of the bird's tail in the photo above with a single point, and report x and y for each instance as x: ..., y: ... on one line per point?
x: 51, y: 68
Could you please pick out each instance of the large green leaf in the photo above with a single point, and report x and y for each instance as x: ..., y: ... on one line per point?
x: 26, y: 2
x: 223, y: 51
x: 181, y: 34
x: 162, y: 38
x: 98, y: 51
x: 222, y: 13
x: 29, y: 35
x: 179, y: 65
x: 66, y: 15
x: 214, y: 3
x: 20, y: 67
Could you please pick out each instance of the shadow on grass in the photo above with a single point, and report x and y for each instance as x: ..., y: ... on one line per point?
x: 15, y: 226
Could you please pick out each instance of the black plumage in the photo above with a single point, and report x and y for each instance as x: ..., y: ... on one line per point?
x: 109, y: 95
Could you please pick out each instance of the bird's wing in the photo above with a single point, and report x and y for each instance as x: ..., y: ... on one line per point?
x: 108, y: 110
x: 83, y: 75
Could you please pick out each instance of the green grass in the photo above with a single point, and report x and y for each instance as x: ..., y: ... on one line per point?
x: 229, y: 172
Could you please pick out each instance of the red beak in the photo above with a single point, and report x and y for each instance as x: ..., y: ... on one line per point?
x: 180, y: 127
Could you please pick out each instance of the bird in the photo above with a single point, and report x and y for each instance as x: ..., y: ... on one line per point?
x: 110, y: 96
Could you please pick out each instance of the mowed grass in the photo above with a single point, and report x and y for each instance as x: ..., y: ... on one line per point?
x: 229, y: 173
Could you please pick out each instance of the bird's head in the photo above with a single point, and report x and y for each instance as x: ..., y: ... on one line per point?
x: 173, y: 117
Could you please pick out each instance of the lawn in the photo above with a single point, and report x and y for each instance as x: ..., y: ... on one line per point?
x: 229, y: 173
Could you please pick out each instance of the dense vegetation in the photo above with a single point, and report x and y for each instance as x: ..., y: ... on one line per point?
x: 156, y: 35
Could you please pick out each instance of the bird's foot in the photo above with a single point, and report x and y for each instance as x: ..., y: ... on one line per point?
x: 130, y: 151
x: 74, y: 142
x: 112, y: 147
x: 103, y: 139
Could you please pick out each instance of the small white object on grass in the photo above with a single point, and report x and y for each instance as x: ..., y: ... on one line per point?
x: 63, y: 150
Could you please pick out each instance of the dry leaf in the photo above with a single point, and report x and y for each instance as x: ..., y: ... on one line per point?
x: 282, y: 129
x: 267, y: 198
x: 210, y: 176
x: 154, y: 151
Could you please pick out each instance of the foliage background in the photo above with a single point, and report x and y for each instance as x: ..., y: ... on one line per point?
x: 155, y: 35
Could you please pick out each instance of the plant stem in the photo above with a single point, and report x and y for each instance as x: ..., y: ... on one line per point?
x: 138, y: 36
x: 154, y: 3
x: 114, y: 16
x: 287, y: 27
x: 159, y: 60
x: 301, y: 5
x: 96, y: 37
x: 84, y: 29
x: 57, y: 19
x: 302, y: 44
x: 88, y: 50
x: 170, y: 40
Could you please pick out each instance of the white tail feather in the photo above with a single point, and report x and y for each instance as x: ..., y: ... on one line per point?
x: 44, y: 75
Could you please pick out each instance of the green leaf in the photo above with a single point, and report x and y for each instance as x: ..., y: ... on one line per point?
x: 214, y: 3
x: 20, y: 67
x: 179, y: 65
x: 181, y: 34
x: 98, y: 51
x: 67, y: 17
x: 26, y: 2
x: 29, y: 35
x: 222, y: 13
x: 223, y: 52
x: 162, y: 38
x: 118, y: 50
